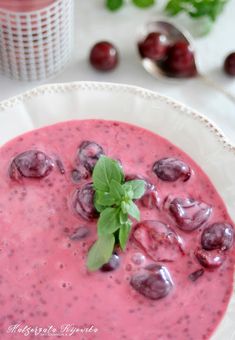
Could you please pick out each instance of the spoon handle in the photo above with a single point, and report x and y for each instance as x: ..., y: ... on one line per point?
x: 217, y: 87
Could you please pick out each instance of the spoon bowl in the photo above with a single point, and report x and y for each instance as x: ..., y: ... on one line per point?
x: 174, y: 33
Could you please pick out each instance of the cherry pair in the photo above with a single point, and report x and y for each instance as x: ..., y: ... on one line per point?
x: 177, y: 59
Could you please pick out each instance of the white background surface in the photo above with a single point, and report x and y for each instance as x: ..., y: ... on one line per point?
x: 94, y: 22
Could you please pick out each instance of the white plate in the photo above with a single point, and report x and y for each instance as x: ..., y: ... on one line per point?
x: 189, y: 130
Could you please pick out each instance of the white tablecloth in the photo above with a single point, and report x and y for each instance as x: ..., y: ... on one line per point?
x: 94, y: 23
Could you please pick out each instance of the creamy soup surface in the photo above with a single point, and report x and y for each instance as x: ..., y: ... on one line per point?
x: 48, y: 224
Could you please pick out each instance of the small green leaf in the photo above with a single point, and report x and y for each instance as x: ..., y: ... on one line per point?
x: 137, y: 186
x: 124, y: 207
x: 104, y: 198
x: 133, y: 211
x: 123, y: 217
x: 108, y: 222
x: 114, y: 5
x: 143, y: 3
x: 129, y: 194
x: 173, y: 7
x: 196, y: 8
x: 124, y: 233
x: 105, y: 170
x: 98, y: 206
x: 100, y: 252
x: 116, y: 191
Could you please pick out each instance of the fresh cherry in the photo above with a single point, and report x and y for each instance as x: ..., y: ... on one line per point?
x: 31, y: 164
x: 84, y: 202
x: 113, y: 264
x: 153, y: 282
x: 88, y: 154
x: 104, y: 56
x: 180, y: 61
x: 171, y: 169
x: 210, y: 259
x: 154, y: 46
x: 229, y: 64
x: 218, y: 236
x: 158, y: 241
x: 188, y: 213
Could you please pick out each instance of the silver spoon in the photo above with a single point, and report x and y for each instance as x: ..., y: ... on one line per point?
x: 174, y: 33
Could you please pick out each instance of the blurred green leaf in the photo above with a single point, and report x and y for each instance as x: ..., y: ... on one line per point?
x: 196, y: 8
x: 143, y: 3
x: 114, y: 5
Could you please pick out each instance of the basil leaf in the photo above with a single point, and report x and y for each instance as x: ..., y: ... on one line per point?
x: 133, y: 210
x: 108, y: 222
x: 124, y: 233
x: 116, y: 190
x: 123, y: 217
x: 105, y: 170
x: 124, y: 207
x: 143, y: 3
x: 104, y: 198
x: 99, y: 207
x: 100, y: 252
x: 137, y: 186
x: 173, y: 7
x: 114, y: 5
x: 196, y: 8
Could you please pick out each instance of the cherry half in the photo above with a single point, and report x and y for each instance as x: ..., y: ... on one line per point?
x: 158, y: 241
x: 210, y: 259
x: 188, y: 213
x: 84, y: 202
x: 88, y: 154
x: 154, y: 282
x: 31, y: 164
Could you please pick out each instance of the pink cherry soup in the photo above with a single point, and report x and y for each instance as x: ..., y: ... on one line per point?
x: 174, y: 280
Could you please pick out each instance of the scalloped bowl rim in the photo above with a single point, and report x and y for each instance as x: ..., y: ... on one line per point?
x: 139, y: 92
x: 136, y: 90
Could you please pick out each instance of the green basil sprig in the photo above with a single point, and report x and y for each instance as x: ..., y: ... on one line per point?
x: 114, y: 201
x: 114, y: 5
x: 196, y: 8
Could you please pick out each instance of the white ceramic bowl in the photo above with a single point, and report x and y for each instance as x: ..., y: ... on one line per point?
x: 189, y: 130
